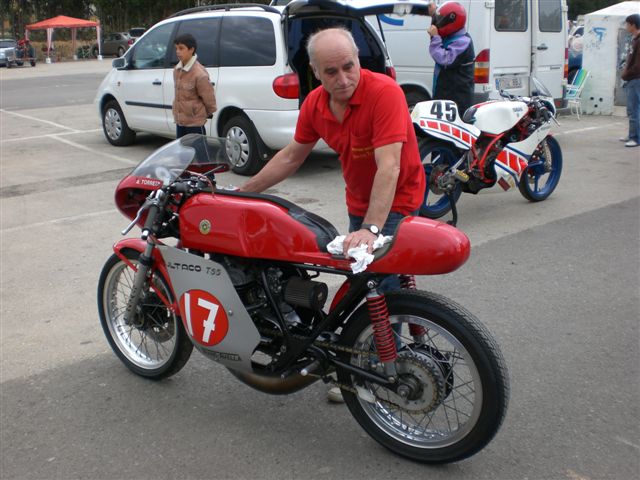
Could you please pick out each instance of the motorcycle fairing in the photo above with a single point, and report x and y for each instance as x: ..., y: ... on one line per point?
x: 515, y: 157
x: 190, y: 275
x: 441, y: 119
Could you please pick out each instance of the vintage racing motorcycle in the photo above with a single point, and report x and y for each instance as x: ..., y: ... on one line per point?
x: 238, y: 277
x: 505, y: 142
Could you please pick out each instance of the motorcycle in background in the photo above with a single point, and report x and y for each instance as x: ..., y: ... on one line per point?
x: 505, y: 142
x: 241, y: 284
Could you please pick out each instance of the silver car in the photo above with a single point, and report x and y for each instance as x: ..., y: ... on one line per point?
x: 7, y: 50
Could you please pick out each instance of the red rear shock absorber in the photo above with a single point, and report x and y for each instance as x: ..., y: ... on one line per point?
x: 382, y: 331
x: 408, y: 282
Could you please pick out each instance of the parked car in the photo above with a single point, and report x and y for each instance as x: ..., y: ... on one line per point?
x: 114, y: 44
x: 136, y: 32
x: 7, y: 50
x: 255, y: 56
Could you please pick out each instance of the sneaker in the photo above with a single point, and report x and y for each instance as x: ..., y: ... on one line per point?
x: 624, y: 139
x: 334, y: 395
x: 632, y: 143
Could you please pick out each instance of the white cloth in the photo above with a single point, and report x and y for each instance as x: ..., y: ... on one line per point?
x: 359, y: 254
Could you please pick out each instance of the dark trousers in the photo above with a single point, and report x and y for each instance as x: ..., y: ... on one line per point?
x: 182, y: 131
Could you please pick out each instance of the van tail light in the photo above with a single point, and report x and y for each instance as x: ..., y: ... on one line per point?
x: 390, y: 71
x: 287, y: 86
x: 481, y: 71
x: 566, y: 63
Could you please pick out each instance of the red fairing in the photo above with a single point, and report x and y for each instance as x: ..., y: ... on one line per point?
x: 131, y: 193
x: 424, y: 247
x: 256, y: 228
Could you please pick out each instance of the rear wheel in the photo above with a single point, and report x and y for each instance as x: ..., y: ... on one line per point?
x: 541, y: 177
x: 242, y: 145
x: 120, y: 51
x: 437, y: 157
x: 451, y: 368
x: 153, y: 344
x: 115, y: 126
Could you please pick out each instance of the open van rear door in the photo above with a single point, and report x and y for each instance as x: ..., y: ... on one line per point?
x: 548, y: 42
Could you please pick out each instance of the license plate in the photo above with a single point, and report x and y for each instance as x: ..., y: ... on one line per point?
x: 508, y: 83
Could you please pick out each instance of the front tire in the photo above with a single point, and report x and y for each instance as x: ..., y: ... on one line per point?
x: 115, y: 126
x: 436, y: 157
x: 456, y: 371
x: 242, y: 145
x: 541, y: 178
x: 154, y: 344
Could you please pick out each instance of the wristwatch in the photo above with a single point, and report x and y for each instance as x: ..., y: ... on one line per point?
x: 371, y: 227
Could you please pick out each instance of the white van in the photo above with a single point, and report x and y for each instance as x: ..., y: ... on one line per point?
x: 513, y: 40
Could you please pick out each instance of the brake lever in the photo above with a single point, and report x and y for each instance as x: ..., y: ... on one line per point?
x: 145, y: 206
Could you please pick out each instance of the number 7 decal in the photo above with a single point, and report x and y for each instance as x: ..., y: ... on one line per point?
x: 204, y: 317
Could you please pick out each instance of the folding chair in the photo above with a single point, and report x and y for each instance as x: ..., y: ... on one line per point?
x: 574, y: 91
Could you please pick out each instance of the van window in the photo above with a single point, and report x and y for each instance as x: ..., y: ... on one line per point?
x: 550, y: 16
x: 150, y: 51
x: 247, y: 42
x: 511, y: 15
x: 206, y: 31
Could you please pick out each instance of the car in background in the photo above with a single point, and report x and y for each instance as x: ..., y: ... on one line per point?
x: 136, y: 32
x: 114, y: 44
x: 255, y: 56
x: 7, y: 50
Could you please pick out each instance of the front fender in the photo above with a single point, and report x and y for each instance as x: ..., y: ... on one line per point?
x: 138, y: 245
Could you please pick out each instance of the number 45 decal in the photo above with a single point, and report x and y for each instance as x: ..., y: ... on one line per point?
x: 450, y: 110
x: 204, y: 317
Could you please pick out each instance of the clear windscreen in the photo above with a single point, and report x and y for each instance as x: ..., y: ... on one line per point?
x: 193, y: 152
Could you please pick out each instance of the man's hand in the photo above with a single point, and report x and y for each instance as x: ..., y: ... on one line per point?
x: 433, y: 30
x: 357, y: 238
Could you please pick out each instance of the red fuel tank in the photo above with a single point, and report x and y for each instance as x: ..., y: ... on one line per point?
x: 266, y: 227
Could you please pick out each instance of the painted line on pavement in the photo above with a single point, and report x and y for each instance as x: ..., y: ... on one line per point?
x: 58, y: 220
x: 94, y: 151
x: 49, y: 135
x: 586, y: 129
x: 48, y: 122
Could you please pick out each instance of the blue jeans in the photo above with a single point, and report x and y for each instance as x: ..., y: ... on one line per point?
x: 182, y: 131
x: 633, y: 108
x: 391, y: 282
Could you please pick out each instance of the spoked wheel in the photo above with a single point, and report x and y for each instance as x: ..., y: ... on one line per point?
x: 153, y: 344
x: 453, y: 383
x: 437, y: 157
x: 542, y: 175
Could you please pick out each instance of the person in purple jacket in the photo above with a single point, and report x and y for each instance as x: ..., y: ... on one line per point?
x: 452, y: 49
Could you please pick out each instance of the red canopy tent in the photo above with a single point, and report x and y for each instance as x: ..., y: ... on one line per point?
x: 62, y: 21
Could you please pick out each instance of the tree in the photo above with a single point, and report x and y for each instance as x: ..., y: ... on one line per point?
x: 582, y: 7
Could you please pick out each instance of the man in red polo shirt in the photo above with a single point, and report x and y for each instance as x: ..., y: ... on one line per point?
x: 364, y: 117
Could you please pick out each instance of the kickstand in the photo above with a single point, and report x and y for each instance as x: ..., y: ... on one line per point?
x: 454, y: 210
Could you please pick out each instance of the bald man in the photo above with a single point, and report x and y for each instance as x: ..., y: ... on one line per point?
x: 364, y: 117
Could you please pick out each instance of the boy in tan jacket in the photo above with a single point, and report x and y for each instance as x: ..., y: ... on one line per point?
x: 195, y: 100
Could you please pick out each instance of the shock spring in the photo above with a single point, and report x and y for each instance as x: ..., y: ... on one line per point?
x: 408, y: 282
x: 382, y: 331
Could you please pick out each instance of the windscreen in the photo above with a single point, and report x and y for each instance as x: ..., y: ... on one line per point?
x: 191, y: 152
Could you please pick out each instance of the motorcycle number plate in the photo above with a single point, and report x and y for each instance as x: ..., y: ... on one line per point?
x: 508, y: 82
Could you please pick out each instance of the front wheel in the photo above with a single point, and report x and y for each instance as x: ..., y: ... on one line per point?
x: 541, y: 177
x: 436, y: 158
x: 153, y: 343
x: 115, y: 126
x: 454, y: 377
x: 242, y: 145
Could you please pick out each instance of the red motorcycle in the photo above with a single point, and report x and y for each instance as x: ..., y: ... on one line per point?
x: 237, y: 276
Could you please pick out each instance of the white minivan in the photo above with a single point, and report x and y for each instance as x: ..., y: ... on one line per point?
x: 513, y: 40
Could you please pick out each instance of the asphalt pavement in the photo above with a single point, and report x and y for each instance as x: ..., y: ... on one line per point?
x: 556, y: 282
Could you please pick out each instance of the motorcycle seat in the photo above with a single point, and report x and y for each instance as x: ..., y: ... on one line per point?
x: 323, y: 229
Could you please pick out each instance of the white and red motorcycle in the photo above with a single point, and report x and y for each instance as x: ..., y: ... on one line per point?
x: 505, y: 142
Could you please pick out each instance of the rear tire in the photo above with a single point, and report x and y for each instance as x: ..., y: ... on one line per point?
x: 458, y: 377
x: 115, y: 126
x: 155, y: 345
x: 436, y: 156
x: 541, y: 179
x: 120, y: 51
